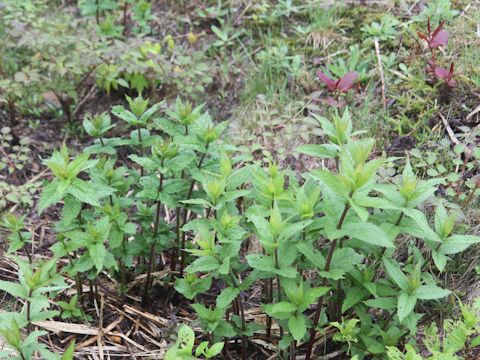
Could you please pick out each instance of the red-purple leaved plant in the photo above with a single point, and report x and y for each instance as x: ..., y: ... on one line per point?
x: 341, y: 85
x: 436, y: 38
x: 445, y: 75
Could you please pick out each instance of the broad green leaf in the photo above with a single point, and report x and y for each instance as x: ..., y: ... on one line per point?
x: 49, y: 196
x: 386, y: 303
x: 120, y: 112
x: 297, y: 326
x: 203, y: 264
x: 226, y: 297
x: 98, y: 253
x: 431, y: 292
x: 421, y: 220
x: 439, y: 259
x: 282, y: 307
x: 71, y: 209
x: 215, y: 349
x: 369, y: 233
x: 326, y: 178
x: 288, y: 272
x: 457, y: 243
x: 406, y: 304
x: 318, y: 150
x: 186, y: 339
x: 68, y: 354
x: 14, y: 289
x: 84, y: 192
x: 354, y: 296
x: 396, y: 274
x: 149, y: 112
x: 261, y: 262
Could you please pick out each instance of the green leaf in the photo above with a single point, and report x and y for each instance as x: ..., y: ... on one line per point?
x: 439, y: 259
x: 145, y: 162
x: 354, y: 296
x: 431, y: 292
x: 84, y: 192
x: 396, y: 274
x: 68, y: 354
x: 282, y: 307
x: 406, y: 304
x: 318, y: 150
x: 98, y: 253
x: 385, y: 303
x: 203, y: 264
x: 186, y: 339
x: 226, y: 297
x: 457, y: 243
x: 215, y: 349
x: 14, y: 289
x: 297, y: 326
x: 120, y: 112
x: 326, y: 178
x: 71, y: 209
x: 149, y: 112
x: 421, y: 220
x: 369, y: 233
x: 49, y: 196
x: 261, y: 262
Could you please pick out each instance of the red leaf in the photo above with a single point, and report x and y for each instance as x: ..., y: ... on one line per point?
x: 439, y: 38
x: 347, y: 81
x: 438, y: 29
x: 442, y: 73
x: 422, y: 36
x: 452, y: 83
x: 331, y: 85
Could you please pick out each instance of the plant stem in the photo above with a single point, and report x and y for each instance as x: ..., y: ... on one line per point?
x: 279, y: 288
x: 316, y: 317
x: 185, y: 212
x: 141, y: 147
x: 125, y: 8
x: 25, y: 247
x: 293, y: 350
x: 173, y: 264
x: 97, y: 13
x: 101, y: 142
x: 242, y: 315
x: 145, y: 299
x: 29, y: 320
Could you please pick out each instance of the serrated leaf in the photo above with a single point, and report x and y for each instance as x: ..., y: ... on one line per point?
x: 14, y: 289
x: 203, y: 264
x: 406, y: 304
x: 396, y: 274
x: 369, y: 233
x: 226, y: 297
x: 431, y: 292
x: 297, y: 326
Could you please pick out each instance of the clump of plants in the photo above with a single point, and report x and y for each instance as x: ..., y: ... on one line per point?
x: 341, y: 250
x: 435, y: 39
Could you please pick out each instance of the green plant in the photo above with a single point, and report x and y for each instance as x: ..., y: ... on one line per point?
x: 14, y: 161
x: 19, y: 238
x: 71, y: 309
x: 276, y: 68
x: 183, y: 347
x: 460, y: 335
x: 383, y: 31
x: 20, y: 348
x: 437, y: 10
x: 13, y: 157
